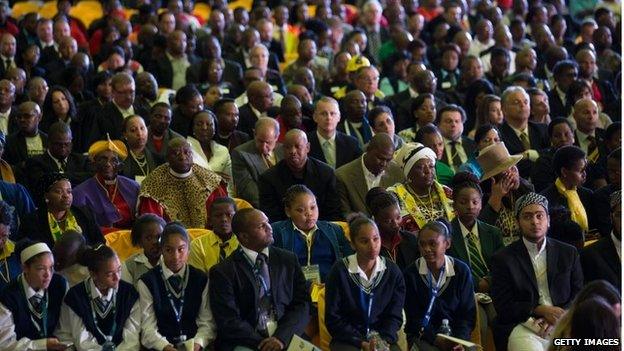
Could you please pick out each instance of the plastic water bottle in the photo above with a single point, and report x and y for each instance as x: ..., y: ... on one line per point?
x: 445, y: 328
x: 380, y: 344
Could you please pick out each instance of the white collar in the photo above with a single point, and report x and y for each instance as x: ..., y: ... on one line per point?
x: 322, y: 139
x: 4, y: 58
x: 6, y: 114
x: 256, y: 112
x: 354, y: 268
x: 124, y: 110
x: 532, y: 248
x: 449, y: 141
x: 520, y: 131
x: 95, y: 293
x: 584, y: 136
x: 448, y: 266
x: 180, y: 175
x: 141, y: 258
x: 308, y: 234
x: 30, y: 292
x: 413, y: 93
x: 465, y: 231
x: 58, y: 162
x: 167, y: 273
x: 251, y: 254
x: 368, y: 174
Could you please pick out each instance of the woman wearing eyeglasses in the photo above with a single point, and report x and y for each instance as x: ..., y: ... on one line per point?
x: 102, y: 312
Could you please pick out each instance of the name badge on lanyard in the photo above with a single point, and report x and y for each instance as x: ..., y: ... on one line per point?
x: 312, y: 273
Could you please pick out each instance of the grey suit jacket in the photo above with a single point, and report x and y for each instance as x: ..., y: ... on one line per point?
x: 352, y: 188
x: 247, y: 166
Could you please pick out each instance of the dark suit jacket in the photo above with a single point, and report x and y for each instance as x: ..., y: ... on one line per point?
x: 587, y: 198
x: 110, y: 120
x: 538, y: 136
x: 246, y: 119
x: 234, y: 299
x: 514, y: 286
x: 469, y: 148
x: 318, y: 176
x: 232, y: 73
x: 77, y: 170
x: 159, y: 157
x: 275, y: 80
x: 602, y: 208
x: 16, y: 152
x: 247, y: 166
x: 347, y: 148
x: 163, y: 71
x: 35, y: 226
x: 557, y: 107
x: 601, y: 261
x: 352, y: 187
x: 490, y: 238
x: 240, y: 58
x: 276, y: 47
x: 48, y: 54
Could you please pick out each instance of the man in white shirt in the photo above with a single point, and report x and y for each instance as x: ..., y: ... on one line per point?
x: 587, y: 134
x: 457, y: 149
x: 534, y: 280
x: 7, y: 52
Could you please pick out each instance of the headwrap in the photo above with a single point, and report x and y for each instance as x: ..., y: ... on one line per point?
x: 531, y: 199
x: 115, y: 146
x: 49, y: 179
x: 414, y: 153
x: 615, y: 199
x: 33, y: 250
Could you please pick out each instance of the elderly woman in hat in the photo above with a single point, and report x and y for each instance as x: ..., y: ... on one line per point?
x: 49, y: 222
x: 502, y: 185
x: 422, y: 198
x: 30, y: 304
x: 109, y: 196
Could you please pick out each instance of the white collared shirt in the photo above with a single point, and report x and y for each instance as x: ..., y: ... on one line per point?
x: 519, y: 132
x: 125, y: 112
x: 413, y: 93
x: 540, y: 267
x: 257, y: 113
x: 459, y: 146
x: 4, y: 59
x: 354, y: 268
x: 178, y: 66
x: 30, y: 292
x: 132, y: 277
x: 95, y: 293
x: 332, y: 145
x: 151, y: 338
x: 371, y: 179
x: 167, y: 273
x: 582, y: 140
x: 71, y: 329
x: 252, y: 255
x: 618, y: 245
x: 57, y: 161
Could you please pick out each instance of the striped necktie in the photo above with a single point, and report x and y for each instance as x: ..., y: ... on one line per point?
x: 36, y: 301
x: 222, y: 253
x: 526, y: 143
x: 477, y: 263
x: 455, y: 158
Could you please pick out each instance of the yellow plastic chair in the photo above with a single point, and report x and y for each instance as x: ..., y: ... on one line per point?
x: 318, y: 294
x: 48, y: 10
x: 87, y: 11
x: 345, y: 229
x: 23, y: 7
x: 120, y: 242
x: 244, y: 3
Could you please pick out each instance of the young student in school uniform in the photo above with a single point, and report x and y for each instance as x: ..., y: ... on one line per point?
x: 146, y: 233
x: 102, y: 312
x: 364, y: 294
x: 446, y: 278
x: 174, y: 298
x: 30, y: 304
x: 317, y: 244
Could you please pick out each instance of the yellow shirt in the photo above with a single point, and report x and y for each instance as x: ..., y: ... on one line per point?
x: 205, y: 250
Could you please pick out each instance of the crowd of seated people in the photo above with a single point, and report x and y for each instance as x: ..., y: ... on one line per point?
x: 349, y: 174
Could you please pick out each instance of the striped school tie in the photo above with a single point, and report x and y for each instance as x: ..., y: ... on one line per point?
x: 477, y: 264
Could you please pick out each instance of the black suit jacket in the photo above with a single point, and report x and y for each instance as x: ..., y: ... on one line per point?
x: 77, y: 170
x: 110, y: 120
x: 163, y: 70
x: 347, y: 148
x: 35, y: 226
x: 16, y: 152
x: 514, y: 288
x: 246, y: 119
x: 587, y: 198
x: 557, y: 107
x: 538, y: 136
x: 48, y: 54
x: 234, y: 299
x: 318, y: 176
x: 601, y: 261
x: 469, y: 148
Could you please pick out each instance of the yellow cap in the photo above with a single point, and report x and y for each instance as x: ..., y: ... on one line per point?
x: 116, y: 146
x: 357, y: 62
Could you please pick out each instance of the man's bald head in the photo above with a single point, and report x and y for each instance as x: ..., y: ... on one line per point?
x: 379, y: 153
x: 8, y: 45
x: 260, y: 95
x: 28, y: 107
x: 380, y: 141
x: 586, y: 115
